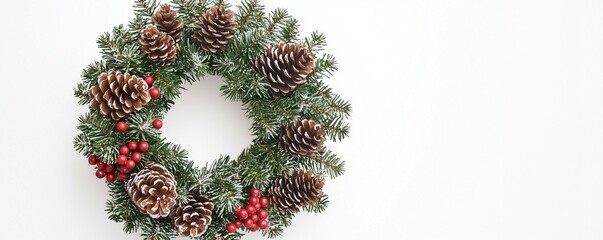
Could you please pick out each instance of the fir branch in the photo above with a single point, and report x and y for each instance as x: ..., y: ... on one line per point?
x: 189, y: 9
x: 320, y: 206
x: 323, y: 163
x: 289, y: 32
x: 98, y: 137
x: 145, y: 8
x: 250, y: 14
x: 316, y: 42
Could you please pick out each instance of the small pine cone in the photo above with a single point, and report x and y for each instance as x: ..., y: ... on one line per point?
x: 160, y: 48
x: 118, y: 94
x: 217, y: 27
x: 153, y: 190
x: 285, y: 66
x: 167, y: 21
x: 293, y: 192
x: 192, y: 219
x: 303, y: 137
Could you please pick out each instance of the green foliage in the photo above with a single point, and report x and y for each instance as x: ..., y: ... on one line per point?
x: 226, y: 180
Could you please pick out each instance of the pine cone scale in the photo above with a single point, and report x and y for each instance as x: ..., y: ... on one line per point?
x: 153, y: 190
x: 160, y: 48
x: 299, y: 189
x: 304, y: 137
x: 168, y: 21
x: 216, y: 29
x: 285, y: 66
x: 193, y: 219
x: 117, y: 93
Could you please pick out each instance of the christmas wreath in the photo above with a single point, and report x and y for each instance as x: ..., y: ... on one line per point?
x: 276, y: 75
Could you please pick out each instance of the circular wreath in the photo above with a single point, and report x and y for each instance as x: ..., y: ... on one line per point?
x: 275, y: 74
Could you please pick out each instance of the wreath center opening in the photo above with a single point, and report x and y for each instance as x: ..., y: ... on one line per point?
x: 207, y: 124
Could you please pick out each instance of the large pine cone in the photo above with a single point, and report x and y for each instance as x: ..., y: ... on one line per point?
x: 117, y: 94
x: 167, y: 21
x: 192, y: 219
x: 160, y: 48
x: 153, y: 190
x: 291, y: 193
x: 303, y: 137
x: 217, y: 27
x: 285, y: 66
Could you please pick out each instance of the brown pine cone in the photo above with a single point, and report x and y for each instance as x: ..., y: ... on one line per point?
x: 303, y: 137
x: 217, y: 27
x: 293, y: 192
x: 160, y: 48
x: 153, y: 190
x: 167, y: 21
x: 192, y: 219
x: 285, y: 66
x: 117, y: 94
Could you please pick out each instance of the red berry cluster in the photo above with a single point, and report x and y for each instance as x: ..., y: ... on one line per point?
x: 253, y: 216
x: 126, y: 161
x: 129, y: 157
x: 103, y: 170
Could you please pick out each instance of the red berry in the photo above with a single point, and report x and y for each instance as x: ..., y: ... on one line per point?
x: 157, y: 123
x: 123, y: 169
x: 254, y: 218
x: 238, y: 223
x: 110, y: 168
x: 257, y: 206
x: 154, y: 92
x: 248, y: 223
x: 110, y: 177
x: 136, y: 156
x: 122, y: 177
x: 92, y: 159
x: 243, y: 214
x: 253, y: 228
x: 130, y: 164
x: 250, y: 209
x: 263, y: 214
x: 122, y: 159
x: 132, y: 145
x: 254, y: 192
x: 254, y: 200
x: 264, y: 201
x: 100, y: 173
x: 263, y: 224
x: 143, y: 146
x: 149, y: 80
x: 100, y: 165
x: 121, y: 126
x: 124, y: 150
x: 231, y: 227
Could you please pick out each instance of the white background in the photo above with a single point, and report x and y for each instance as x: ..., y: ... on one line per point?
x: 472, y: 119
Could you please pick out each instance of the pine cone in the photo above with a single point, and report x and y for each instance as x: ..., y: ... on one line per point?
x: 160, y: 48
x: 116, y: 95
x: 153, y: 190
x: 192, y: 219
x: 291, y: 193
x: 217, y: 27
x: 167, y: 21
x: 304, y: 137
x: 285, y: 66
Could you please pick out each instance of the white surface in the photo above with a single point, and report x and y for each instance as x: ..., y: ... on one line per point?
x: 472, y: 119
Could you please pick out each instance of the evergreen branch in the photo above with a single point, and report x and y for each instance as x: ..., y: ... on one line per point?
x: 250, y: 14
x: 323, y: 163
x: 320, y: 206
x: 145, y: 8
x: 98, y: 137
x: 316, y: 42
